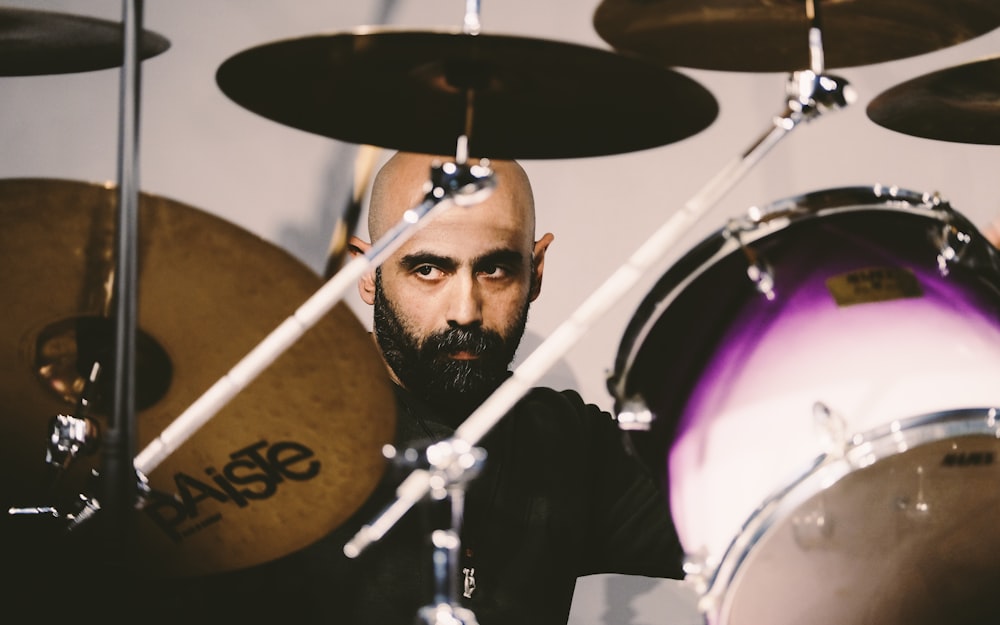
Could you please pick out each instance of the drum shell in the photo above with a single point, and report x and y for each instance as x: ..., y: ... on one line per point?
x: 705, y: 310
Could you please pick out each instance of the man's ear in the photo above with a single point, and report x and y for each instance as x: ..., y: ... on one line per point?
x: 539, y: 263
x: 366, y: 284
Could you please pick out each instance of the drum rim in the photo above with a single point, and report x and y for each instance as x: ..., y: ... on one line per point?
x: 862, y: 451
x: 757, y: 223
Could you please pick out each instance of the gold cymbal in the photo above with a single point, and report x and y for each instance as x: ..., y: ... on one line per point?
x: 406, y: 90
x: 960, y: 104
x: 34, y: 43
x: 286, y: 461
x: 773, y: 35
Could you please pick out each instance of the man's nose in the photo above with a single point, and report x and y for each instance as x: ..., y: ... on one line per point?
x: 465, y: 305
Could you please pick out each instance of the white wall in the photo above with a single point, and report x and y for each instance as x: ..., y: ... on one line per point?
x: 200, y: 148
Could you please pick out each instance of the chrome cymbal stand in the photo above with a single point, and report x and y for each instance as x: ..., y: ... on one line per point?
x: 120, y: 488
x: 452, y: 465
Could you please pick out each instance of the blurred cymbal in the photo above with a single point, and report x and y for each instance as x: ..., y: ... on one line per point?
x: 960, y: 104
x: 286, y: 461
x: 407, y: 90
x: 772, y: 35
x: 34, y: 43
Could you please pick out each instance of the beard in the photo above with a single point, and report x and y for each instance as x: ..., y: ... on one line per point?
x: 424, y: 365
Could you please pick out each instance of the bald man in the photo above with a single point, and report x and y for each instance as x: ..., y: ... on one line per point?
x: 451, y: 304
x: 558, y: 497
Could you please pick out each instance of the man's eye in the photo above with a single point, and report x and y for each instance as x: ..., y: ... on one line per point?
x: 494, y: 271
x: 427, y: 271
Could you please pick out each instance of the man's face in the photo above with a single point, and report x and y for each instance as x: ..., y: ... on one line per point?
x: 427, y: 365
x: 451, y: 304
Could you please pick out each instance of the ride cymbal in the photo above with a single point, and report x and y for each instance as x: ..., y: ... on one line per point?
x: 960, y: 104
x: 773, y: 35
x: 34, y: 43
x: 296, y: 451
x: 412, y: 91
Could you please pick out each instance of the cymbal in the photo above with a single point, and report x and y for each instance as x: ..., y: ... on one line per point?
x: 286, y: 461
x: 407, y: 90
x: 773, y: 35
x: 960, y: 104
x: 34, y: 43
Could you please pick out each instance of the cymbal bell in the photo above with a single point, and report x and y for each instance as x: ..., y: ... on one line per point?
x: 411, y: 91
x: 959, y: 104
x: 34, y: 43
x: 286, y: 461
x: 773, y: 35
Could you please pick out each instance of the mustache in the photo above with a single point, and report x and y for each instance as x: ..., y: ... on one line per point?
x: 473, y: 340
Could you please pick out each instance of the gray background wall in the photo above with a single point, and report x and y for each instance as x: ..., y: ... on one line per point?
x: 288, y: 186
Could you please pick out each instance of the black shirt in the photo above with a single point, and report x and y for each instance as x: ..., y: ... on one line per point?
x: 557, y: 498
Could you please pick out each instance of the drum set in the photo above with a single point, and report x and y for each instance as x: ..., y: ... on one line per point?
x: 840, y: 348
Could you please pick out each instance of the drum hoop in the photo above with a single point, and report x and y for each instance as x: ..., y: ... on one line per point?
x: 758, y: 223
x: 863, y: 450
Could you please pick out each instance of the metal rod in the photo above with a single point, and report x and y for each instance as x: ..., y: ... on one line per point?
x: 118, y: 478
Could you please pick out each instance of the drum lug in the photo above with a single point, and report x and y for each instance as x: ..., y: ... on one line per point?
x: 697, y: 578
x: 635, y: 416
x: 954, y: 243
x: 758, y: 271
x: 697, y: 572
x: 833, y: 429
x: 762, y: 279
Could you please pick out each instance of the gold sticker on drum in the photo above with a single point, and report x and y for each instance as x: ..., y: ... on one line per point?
x: 875, y: 284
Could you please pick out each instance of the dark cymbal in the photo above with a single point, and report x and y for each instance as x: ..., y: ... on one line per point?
x: 407, y: 90
x: 296, y: 451
x: 34, y: 43
x: 772, y: 35
x: 960, y: 104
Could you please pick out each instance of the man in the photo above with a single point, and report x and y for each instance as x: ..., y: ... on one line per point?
x: 558, y: 497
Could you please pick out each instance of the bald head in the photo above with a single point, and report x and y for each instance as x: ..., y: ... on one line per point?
x: 402, y: 182
x: 451, y: 302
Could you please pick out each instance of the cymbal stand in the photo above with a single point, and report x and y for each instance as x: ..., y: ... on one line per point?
x: 70, y: 436
x: 121, y: 488
x: 808, y: 95
x: 450, y: 183
x: 452, y: 466
x: 364, y: 163
x: 471, y: 25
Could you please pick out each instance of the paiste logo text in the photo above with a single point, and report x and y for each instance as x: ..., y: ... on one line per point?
x: 252, y: 474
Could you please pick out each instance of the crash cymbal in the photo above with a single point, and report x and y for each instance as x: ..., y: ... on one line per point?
x: 34, y: 43
x: 408, y: 90
x: 960, y: 104
x: 772, y: 35
x: 295, y: 453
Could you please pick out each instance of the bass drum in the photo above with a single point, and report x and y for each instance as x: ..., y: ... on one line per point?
x: 816, y: 386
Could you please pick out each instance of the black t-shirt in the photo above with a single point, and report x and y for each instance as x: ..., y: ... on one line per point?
x: 557, y: 497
